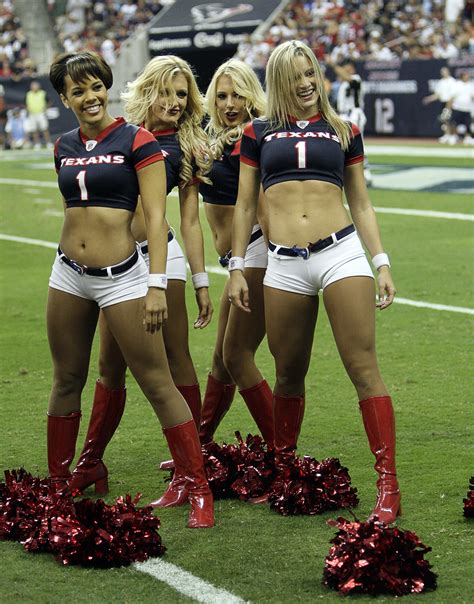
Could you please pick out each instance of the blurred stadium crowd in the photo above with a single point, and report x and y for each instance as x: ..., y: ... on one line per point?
x: 356, y: 29
x: 370, y: 29
x: 337, y: 30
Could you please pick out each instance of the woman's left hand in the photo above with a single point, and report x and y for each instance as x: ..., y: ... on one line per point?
x: 155, y: 311
x: 205, y: 308
x: 386, y: 288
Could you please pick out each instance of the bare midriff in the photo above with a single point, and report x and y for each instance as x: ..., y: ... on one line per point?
x: 302, y: 212
x: 220, y: 218
x: 97, y: 236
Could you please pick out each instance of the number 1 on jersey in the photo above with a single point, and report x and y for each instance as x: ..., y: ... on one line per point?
x: 301, y: 148
x: 81, y: 179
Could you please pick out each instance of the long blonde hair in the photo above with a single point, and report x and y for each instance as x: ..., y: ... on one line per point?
x: 281, y: 98
x: 141, y: 95
x: 247, y: 85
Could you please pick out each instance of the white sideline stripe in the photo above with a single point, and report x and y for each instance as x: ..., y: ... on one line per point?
x: 425, y: 213
x: 29, y: 241
x: 461, y: 309
x: 407, y: 151
x: 219, y: 270
x: 186, y: 583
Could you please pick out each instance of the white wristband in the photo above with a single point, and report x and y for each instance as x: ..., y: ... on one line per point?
x: 157, y: 280
x: 200, y: 280
x: 380, y: 260
x: 236, y: 263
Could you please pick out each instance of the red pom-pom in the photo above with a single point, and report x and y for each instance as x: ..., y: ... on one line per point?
x: 255, y: 467
x: 469, y: 501
x: 26, y: 504
x: 105, y: 536
x: 219, y: 469
x: 244, y: 470
x: 372, y: 558
x: 307, y: 486
x: 86, y: 532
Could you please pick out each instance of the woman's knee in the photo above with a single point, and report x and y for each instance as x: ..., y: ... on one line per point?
x: 112, y: 372
x: 159, y: 394
x: 237, y: 361
x: 290, y: 378
x: 364, y: 373
x: 68, y: 383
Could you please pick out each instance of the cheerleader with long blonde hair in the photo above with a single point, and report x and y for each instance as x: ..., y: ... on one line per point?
x: 234, y: 98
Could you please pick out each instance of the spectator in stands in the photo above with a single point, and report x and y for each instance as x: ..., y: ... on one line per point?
x: 98, y: 20
x: 379, y: 30
x: 442, y: 93
x: 37, y: 102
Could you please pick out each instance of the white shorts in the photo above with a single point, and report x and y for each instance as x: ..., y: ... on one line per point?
x: 37, y: 122
x: 345, y: 258
x: 107, y: 290
x: 255, y: 254
x: 176, y: 261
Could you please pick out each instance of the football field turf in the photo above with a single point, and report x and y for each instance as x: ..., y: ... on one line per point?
x: 253, y: 554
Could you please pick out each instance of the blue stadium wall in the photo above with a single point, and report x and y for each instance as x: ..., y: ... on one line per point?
x: 393, y: 92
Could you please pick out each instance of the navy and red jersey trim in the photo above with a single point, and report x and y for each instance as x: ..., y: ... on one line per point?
x: 303, y: 150
x: 169, y: 143
x: 224, y: 176
x: 102, y: 172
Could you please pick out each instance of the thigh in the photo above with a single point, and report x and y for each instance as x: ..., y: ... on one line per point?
x: 112, y: 365
x: 71, y: 323
x: 143, y: 352
x: 350, y: 305
x: 245, y: 331
x: 290, y: 320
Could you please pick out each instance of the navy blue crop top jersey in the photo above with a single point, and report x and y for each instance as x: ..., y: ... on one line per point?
x: 173, y: 155
x: 103, y: 171
x: 225, y: 178
x: 306, y: 150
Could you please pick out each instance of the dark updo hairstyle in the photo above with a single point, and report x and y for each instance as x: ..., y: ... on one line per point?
x: 79, y: 66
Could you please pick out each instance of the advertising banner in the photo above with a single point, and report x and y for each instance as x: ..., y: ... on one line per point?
x: 190, y: 24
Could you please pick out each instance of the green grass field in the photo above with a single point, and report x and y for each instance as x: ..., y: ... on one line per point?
x: 257, y: 555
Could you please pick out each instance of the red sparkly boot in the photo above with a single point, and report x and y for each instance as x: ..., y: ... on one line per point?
x: 259, y: 400
x: 107, y: 411
x: 62, y: 437
x: 379, y: 423
x: 185, y: 448
x: 217, y: 401
x: 192, y: 395
x: 288, y: 412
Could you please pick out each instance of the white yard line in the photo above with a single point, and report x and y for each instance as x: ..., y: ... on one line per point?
x: 186, y: 583
x: 29, y: 183
x: 219, y: 270
x: 425, y: 213
x: 407, y: 151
